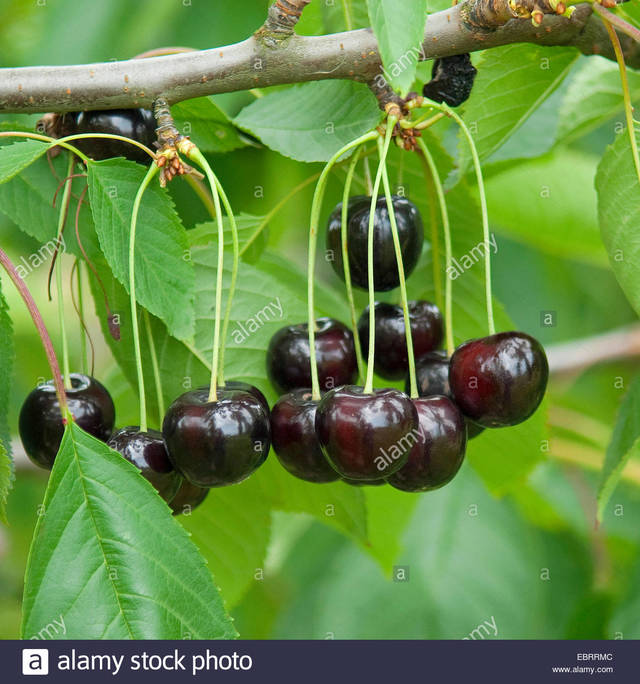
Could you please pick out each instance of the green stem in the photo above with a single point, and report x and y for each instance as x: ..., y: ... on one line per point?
x: 155, y: 366
x: 368, y: 386
x: 314, y: 222
x: 45, y: 138
x: 346, y: 10
x: 108, y: 136
x: 428, y: 158
x: 485, y: 214
x: 153, y: 169
x: 413, y: 385
x: 234, y: 277
x: 62, y: 217
x: 195, y: 155
x: 435, y: 238
x: 345, y: 260
x: 83, y: 331
x: 628, y: 107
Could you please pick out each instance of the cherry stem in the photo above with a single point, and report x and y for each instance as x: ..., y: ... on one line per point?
x: 80, y: 311
x: 485, y: 213
x: 153, y: 169
x: 628, y: 107
x: 413, y: 385
x: 195, y: 155
x: 202, y: 193
x: 42, y: 332
x: 368, y: 386
x: 314, y: 222
x: 64, y: 142
x: 62, y: 218
x: 345, y: 260
x: 367, y: 176
x: 435, y: 238
x: 154, y: 365
x: 234, y: 276
x: 448, y: 322
x: 609, y: 17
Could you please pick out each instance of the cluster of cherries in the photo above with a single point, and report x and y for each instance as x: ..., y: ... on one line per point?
x: 203, y: 444
x: 385, y: 436
x: 362, y: 438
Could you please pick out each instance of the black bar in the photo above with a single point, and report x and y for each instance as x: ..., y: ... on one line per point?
x: 326, y: 662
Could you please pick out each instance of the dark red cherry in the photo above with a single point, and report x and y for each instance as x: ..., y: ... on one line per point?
x: 499, y: 380
x: 385, y: 267
x: 366, y: 436
x: 288, y: 364
x: 439, y: 450
x: 251, y: 389
x: 216, y: 443
x: 40, y: 422
x: 432, y: 377
x: 146, y: 450
x: 391, y: 344
x: 293, y: 435
x: 138, y: 124
x: 189, y: 496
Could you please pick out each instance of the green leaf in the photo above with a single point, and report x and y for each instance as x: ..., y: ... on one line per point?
x: 619, y: 215
x: 511, y: 84
x: 624, y: 445
x: 19, y: 155
x: 251, y: 234
x: 593, y: 98
x: 312, y: 121
x: 538, y: 203
x: 399, y: 29
x: 7, y: 354
x: 164, y: 274
x: 231, y: 529
x: 207, y: 125
x: 109, y: 561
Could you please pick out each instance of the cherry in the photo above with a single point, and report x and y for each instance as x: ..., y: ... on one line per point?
x: 293, y: 434
x: 40, y: 422
x: 138, y: 124
x: 146, y: 450
x: 289, y: 365
x: 366, y: 436
x: 391, y: 344
x: 499, y: 380
x: 451, y: 80
x: 432, y: 377
x: 189, y: 496
x: 439, y: 451
x: 216, y: 443
x: 385, y: 267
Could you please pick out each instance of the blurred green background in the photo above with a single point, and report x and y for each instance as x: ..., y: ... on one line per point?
x: 533, y: 560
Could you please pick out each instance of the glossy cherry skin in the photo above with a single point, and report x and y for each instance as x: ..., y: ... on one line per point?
x: 432, y: 377
x: 499, y: 380
x: 391, y: 344
x: 189, y: 496
x: 146, y: 450
x: 289, y: 365
x: 366, y: 436
x: 363, y: 483
x: 217, y: 443
x: 385, y: 266
x: 40, y: 422
x: 439, y: 449
x: 293, y: 435
x: 251, y: 389
x: 138, y: 124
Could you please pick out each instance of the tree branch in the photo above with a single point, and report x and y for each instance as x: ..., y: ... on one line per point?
x: 251, y: 64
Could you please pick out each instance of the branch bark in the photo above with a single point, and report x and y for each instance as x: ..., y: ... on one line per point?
x: 252, y: 64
